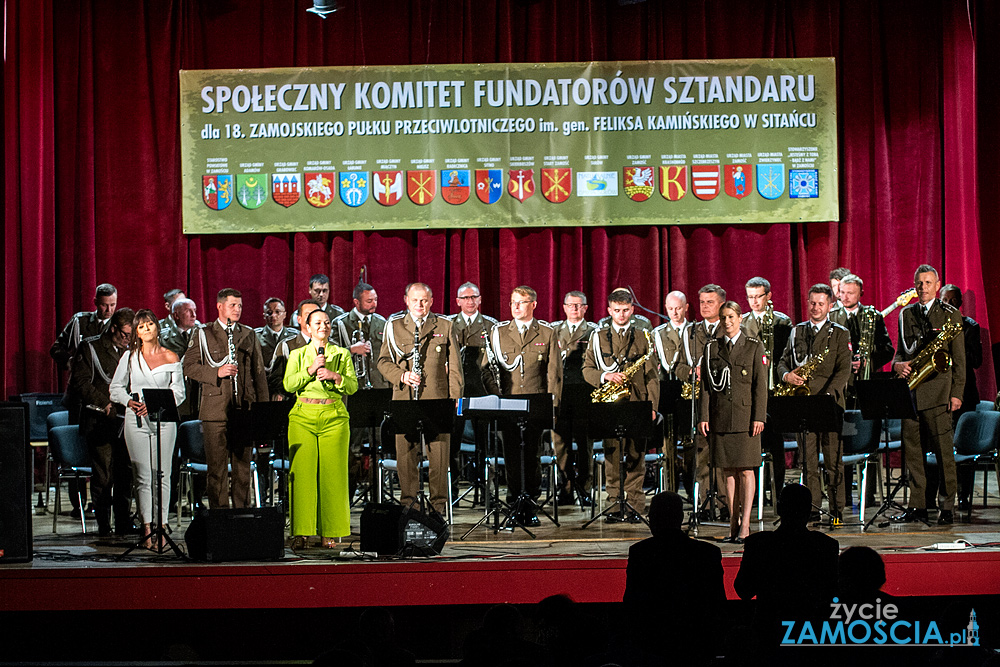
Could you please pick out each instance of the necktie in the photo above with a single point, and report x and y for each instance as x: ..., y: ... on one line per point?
x: 730, y: 345
x: 572, y: 329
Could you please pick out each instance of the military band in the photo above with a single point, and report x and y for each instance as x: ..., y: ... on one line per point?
x: 421, y: 355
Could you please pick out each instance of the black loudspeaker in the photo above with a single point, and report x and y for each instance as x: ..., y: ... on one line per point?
x: 40, y: 406
x: 388, y: 529
x: 380, y: 528
x: 256, y: 533
x: 15, y: 484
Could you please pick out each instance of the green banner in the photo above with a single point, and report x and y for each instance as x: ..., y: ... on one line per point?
x: 509, y: 145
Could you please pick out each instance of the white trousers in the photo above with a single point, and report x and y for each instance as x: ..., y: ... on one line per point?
x: 141, y: 443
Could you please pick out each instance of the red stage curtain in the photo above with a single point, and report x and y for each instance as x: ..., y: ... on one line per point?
x: 92, y: 135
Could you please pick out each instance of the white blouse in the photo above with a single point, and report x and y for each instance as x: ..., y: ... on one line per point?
x: 165, y: 376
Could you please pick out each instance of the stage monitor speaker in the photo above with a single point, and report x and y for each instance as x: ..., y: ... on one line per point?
x: 380, y: 528
x: 251, y: 534
x: 389, y: 530
x: 15, y: 484
x: 40, y: 406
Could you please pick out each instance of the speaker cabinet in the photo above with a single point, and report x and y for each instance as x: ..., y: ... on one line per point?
x: 252, y: 534
x: 15, y: 484
x: 389, y: 530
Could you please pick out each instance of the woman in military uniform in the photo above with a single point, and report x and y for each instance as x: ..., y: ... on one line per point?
x: 733, y: 409
x: 320, y: 375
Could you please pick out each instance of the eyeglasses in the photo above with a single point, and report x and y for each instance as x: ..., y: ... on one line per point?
x: 520, y: 303
x: 575, y: 305
x: 463, y: 298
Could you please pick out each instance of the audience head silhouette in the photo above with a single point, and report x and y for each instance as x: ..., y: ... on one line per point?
x: 666, y: 513
x: 860, y: 573
x: 794, y: 505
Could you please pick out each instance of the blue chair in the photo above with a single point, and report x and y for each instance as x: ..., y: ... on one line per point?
x: 54, y: 419
x: 388, y: 466
x: 71, y: 459
x: 191, y: 445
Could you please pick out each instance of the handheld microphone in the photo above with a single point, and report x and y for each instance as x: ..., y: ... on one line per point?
x: 321, y: 351
x: 138, y: 419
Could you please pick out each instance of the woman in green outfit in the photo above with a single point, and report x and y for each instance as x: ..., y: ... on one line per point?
x: 320, y: 375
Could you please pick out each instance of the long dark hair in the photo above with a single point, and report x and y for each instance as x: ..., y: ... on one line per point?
x: 134, y: 342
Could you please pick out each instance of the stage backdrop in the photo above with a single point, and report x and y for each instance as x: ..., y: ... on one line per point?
x: 93, y: 158
x: 626, y: 143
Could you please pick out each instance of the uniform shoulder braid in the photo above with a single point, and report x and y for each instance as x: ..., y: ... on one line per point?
x: 489, y: 319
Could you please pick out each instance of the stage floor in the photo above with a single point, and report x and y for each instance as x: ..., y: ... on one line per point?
x: 71, y: 570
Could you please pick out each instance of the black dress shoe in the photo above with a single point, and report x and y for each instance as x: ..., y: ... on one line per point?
x: 946, y: 518
x: 614, y: 517
x: 912, y: 515
x: 565, y: 498
x: 529, y: 519
x: 586, y: 501
x: 633, y: 517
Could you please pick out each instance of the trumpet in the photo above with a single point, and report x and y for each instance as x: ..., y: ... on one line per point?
x: 361, y: 364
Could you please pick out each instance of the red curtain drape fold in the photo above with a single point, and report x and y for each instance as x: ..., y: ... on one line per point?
x: 91, y: 130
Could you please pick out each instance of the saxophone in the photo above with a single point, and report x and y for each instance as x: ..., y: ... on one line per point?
x: 691, y: 389
x: 417, y: 367
x: 805, y: 371
x: 866, y: 342
x: 232, y: 357
x: 612, y: 392
x: 933, y: 359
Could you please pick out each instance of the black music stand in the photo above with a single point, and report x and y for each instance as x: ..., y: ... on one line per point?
x: 807, y: 414
x: 499, y: 409
x: 628, y: 419
x: 541, y: 416
x: 269, y: 423
x: 162, y: 409
x: 420, y: 421
x: 572, y: 426
x: 669, y: 407
x: 368, y: 408
x: 885, y: 399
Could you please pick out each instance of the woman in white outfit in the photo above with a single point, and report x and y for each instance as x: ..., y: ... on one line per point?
x: 148, y: 365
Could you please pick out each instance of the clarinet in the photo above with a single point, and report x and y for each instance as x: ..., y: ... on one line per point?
x: 232, y: 357
x: 417, y: 367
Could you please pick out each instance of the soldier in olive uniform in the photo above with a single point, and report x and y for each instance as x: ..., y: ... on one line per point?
x: 732, y: 412
x: 274, y: 332
x: 361, y: 331
x: 754, y: 324
x: 224, y: 405
x: 819, y: 336
x: 471, y: 329
x: 856, y: 318
x: 319, y: 291
x: 575, y: 468
x: 435, y: 348
x: 673, y: 350
x: 94, y: 365
x: 936, y: 398
x: 84, y: 325
x: 530, y: 362
x: 710, y: 300
x: 610, y: 351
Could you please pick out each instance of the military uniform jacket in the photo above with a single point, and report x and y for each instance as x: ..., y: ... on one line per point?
x: 270, y: 339
x: 344, y: 327
x: 441, y: 375
x: 80, y: 326
x: 172, y: 338
x: 609, y: 352
x: 209, y: 349
x: 332, y: 310
x: 531, y: 366
x: 673, y: 349
x: 733, y: 385
x: 275, y: 372
x: 93, y: 367
x: 472, y: 346
x: 637, y: 321
x: 574, y: 348
x: 698, y: 337
x: 831, y: 376
x: 915, y: 332
x: 882, y: 349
